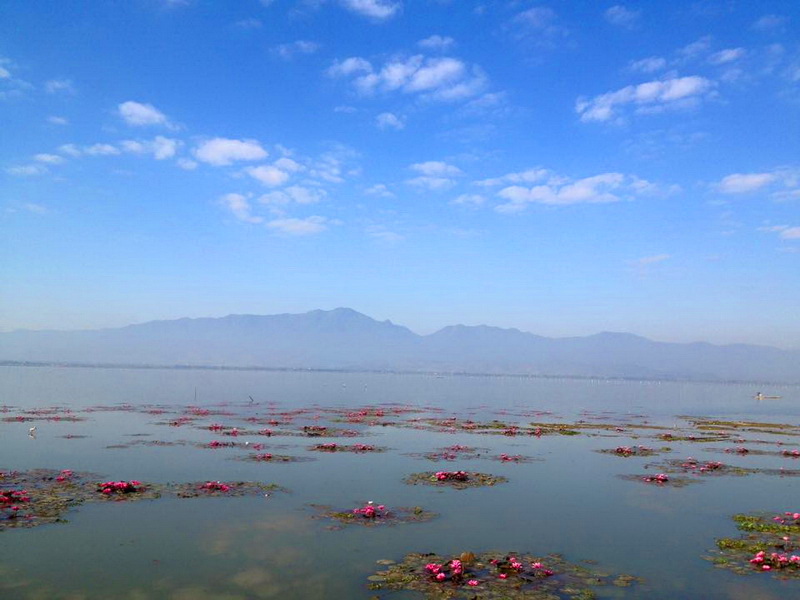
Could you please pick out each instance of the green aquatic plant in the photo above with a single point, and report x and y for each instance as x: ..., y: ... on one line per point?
x: 456, y: 479
x: 501, y: 575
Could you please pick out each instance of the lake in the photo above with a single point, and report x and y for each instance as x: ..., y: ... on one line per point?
x: 568, y: 490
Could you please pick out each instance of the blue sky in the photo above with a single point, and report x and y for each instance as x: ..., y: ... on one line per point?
x: 560, y: 167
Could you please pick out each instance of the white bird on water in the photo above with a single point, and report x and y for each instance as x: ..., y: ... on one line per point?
x: 32, y: 431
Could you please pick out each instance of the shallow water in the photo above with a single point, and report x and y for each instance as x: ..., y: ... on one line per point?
x: 567, y: 499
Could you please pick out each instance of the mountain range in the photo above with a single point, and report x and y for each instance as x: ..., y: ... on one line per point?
x: 346, y: 339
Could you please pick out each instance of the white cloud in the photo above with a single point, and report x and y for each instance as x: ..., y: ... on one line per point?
x: 238, y: 205
x: 436, y: 168
x: 187, y: 164
x: 37, y: 209
x: 70, y: 150
x: 437, y: 78
x: 287, y: 164
x: 649, y: 260
x: 138, y: 114
x: 528, y: 176
x: 55, y: 86
x: 389, y: 120
x: 603, y: 188
x: 538, y: 25
x: 294, y: 193
x: 784, y: 231
x: 293, y: 226
x: 101, y: 150
x: 650, y: 64
x: 437, y: 42
x: 380, y: 190
x: 269, y: 175
x: 349, y: 66
x: 380, y: 232
x: 435, y: 175
x: 791, y: 233
x: 51, y: 159
x: 697, y: 47
x: 249, y: 23
x: 621, y: 16
x: 782, y: 183
x: 434, y: 184
x: 26, y: 170
x: 292, y: 49
x: 470, y: 199
x: 726, y: 56
x: 57, y: 120
x: 769, y: 22
x: 651, y: 96
x: 4, y: 73
x: 160, y: 147
x: 221, y: 152
x: 332, y: 165
x: 743, y: 183
x: 374, y: 9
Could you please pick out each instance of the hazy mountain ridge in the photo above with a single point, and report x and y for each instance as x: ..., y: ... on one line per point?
x: 346, y: 339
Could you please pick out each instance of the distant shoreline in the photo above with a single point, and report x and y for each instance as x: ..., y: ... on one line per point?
x: 179, y: 367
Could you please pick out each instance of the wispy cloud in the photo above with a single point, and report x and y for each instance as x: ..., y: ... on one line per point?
x: 557, y: 190
x: 221, y: 152
x: 239, y: 207
x: 139, y: 114
x: 292, y: 49
x: 622, y: 17
x: 378, y: 10
x: 782, y: 183
x: 26, y: 170
x: 389, y: 120
x: 649, y: 97
x: 59, y: 86
x: 435, y: 175
x: 294, y: 226
x: 437, y: 43
x: 784, y: 231
x: 437, y: 78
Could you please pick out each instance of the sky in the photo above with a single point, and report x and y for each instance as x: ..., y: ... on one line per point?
x: 560, y: 167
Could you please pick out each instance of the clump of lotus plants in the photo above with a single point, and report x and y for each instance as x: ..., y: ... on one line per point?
x: 334, y: 447
x: 767, y: 544
x: 371, y: 514
x: 119, y: 488
x: 492, y: 575
x: 215, y: 486
x: 457, y: 479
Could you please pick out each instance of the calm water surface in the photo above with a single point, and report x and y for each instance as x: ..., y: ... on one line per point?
x: 569, y: 500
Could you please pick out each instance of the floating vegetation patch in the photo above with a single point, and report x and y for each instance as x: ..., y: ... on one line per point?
x: 701, y: 439
x: 497, y: 575
x: 454, y: 452
x: 357, y: 448
x: 154, y: 443
x: 323, y: 431
x: 769, y: 544
x: 268, y: 457
x: 372, y: 515
x: 514, y: 458
x: 205, y: 489
x: 40, y: 496
x: 459, y: 480
x: 697, y: 467
x: 661, y: 480
x: 627, y: 451
x: 754, y: 426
